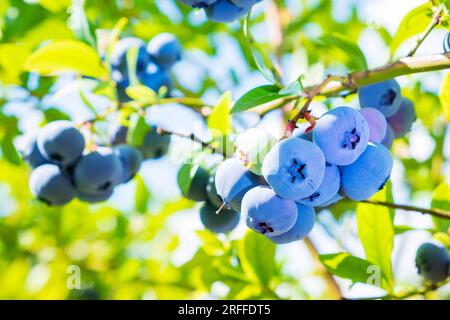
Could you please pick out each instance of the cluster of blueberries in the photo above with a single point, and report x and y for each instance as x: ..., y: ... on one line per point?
x: 223, y: 10
x: 433, y: 262
x: 63, y: 169
x: 152, y: 64
x: 276, y: 185
x: 384, y: 100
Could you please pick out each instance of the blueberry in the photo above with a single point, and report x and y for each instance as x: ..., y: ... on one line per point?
x: 197, y: 189
x: 225, y: 11
x: 96, y: 197
x: 401, y: 122
x: 342, y: 134
x: 446, y: 43
x: 389, y: 138
x: 223, y: 222
x: 384, y: 96
x: 337, y: 197
x: 117, y: 134
x: 377, y: 124
x: 267, y: 213
x: 98, y: 172
x: 51, y: 186
x: 433, y: 262
x: 155, y: 145
x: 165, y: 49
x: 328, y: 188
x: 233, y: 180
x: 245, y: 3
x: 61, y: 143
x: 300, y: 132
x: 131, y: 160
x: 30, y: 152
x: 198, y: 3
x: 367, y: 175
x: 305, y: 222
x: 252, y: 147
x: 211, y: 193
x: 155, y: 78
x: 294, y: 168
x: 119, y: 63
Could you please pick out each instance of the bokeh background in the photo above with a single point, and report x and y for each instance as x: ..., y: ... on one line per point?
x: 147, y: 242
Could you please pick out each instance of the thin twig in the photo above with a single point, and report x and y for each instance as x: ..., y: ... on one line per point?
x: 434, y: 212
x: 332, y: 283
x: 437, y: 17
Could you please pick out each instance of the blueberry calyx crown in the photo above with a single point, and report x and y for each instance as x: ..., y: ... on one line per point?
x: 296, y: 170
x: 388, y: 98
x: 351, y: 139
x: 263, y: 227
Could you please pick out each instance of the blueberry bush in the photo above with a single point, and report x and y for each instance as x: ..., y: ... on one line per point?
x: 231, y: 149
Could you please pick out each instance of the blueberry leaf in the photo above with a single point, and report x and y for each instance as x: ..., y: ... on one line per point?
x: 355, y: 57
x: 347, y: 266
x: 142, y: 195
x: 219, y: 121
x: 138, y: 129
x: 66, y: 56
x: 415, y: 22
x: 444, y: 96
x: 141, y: 94
x: 257, y: 256
x: 376, y: 232
x: 258, y: 96
x: 441, y: 200
x: 80, y: 25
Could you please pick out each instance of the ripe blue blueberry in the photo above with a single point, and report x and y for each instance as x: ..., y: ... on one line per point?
x: 198, y: 3
x: 367, y: 175
x: 252, y: 147
x: 117, y: 134
x: 305, y: 222
x: 337, y: 197
x: 95, y: 197
x: 233, y: 180
x: 155, y: 78
x: 61, y: 143
x: 197, y: 188
x: 384, y: 96
x: 223, y: 222
x: 165, y: 49
x: 402, y: 121
x: 225, y: 11
x: 211, y: 193
x: 245, y: 3
x: 389, y: 138
x: 131, y: 160
x: 328, y: 188
x: 433, y: 262
x: 98, y: 172
x: 155, y: 145
x: 294, y: 168
x: 342, y: 134
x: 267, y: 213
x: 30, y: 152
x: 119, y: 62
x: 49, y: 185
x: 377, y: 124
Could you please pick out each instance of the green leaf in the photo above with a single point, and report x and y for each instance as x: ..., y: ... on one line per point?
x: 376, y: 232
x: 257, y: 97
x: 138, y: 129
x: 184, y: 177
x: 79, y: 23
x: 66, y: 56
x: 441, y: 200
x: 142, y: 94
x: 141, y: 196
x: 347, y: 266
x: 219, y: 121
x: 257, y: 256
x: 356, y: 58
x: 9, y: 151
x: 444, y: 95
x: 402, y: 229
x: 415, y: 22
